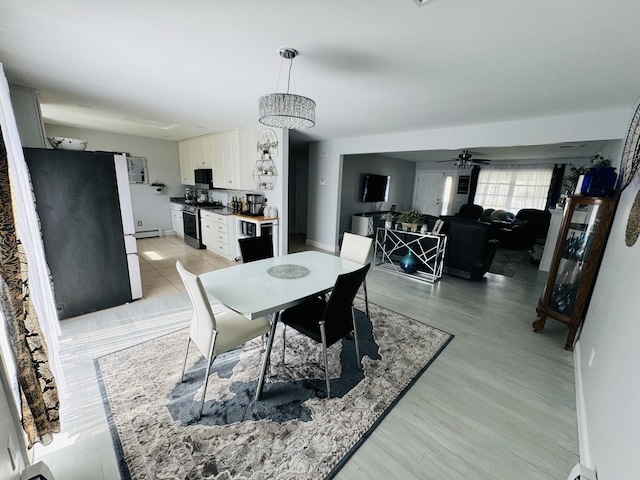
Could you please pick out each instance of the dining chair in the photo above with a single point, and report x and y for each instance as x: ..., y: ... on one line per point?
x: 356, y: 248
x: 215, y: 334
x: 256, y: 248
x: 328, y: 321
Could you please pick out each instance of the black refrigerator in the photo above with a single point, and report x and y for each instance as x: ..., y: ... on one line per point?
x: 84, y: 204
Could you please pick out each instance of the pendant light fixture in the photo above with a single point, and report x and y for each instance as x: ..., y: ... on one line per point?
x: 285, y: 110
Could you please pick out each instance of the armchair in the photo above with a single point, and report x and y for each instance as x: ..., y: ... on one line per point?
x: 529, y: 225
x: 470, y: 210
x: 470, y: 250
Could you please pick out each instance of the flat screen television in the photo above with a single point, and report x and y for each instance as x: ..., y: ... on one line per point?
x: 375, y: 188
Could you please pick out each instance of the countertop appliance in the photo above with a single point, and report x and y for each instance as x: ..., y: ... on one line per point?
x: 254, y: 204
x: 84, y: 204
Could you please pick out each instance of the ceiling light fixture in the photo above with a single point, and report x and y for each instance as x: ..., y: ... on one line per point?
x: 285, y: 110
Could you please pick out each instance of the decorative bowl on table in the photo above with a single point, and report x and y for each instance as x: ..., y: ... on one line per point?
x: 65, y: 143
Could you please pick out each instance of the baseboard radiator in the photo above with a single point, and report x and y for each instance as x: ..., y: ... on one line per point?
x: 154, y: 232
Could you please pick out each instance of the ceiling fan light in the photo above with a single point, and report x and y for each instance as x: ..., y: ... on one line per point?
x: 284, y: 110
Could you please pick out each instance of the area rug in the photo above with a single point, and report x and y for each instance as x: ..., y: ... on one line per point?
x: 506, y: 262
x: 293, y: 432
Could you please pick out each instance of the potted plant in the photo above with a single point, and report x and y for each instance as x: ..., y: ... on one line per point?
x: 158, y: 187
x: 410, y: 219
x: 571, y: 179
x: 388, y: 218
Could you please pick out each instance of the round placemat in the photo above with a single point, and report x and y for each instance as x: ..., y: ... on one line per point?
x: 288, y: 272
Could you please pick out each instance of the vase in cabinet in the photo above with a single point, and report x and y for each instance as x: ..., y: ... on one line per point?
x: 578, y: 252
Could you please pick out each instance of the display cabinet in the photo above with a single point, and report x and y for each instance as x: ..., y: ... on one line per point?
x: 583, y: 235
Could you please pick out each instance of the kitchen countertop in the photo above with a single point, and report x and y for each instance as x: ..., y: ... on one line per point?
x: 222, y: 210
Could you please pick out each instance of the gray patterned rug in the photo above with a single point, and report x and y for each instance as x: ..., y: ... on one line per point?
x: 294, y: 432
x: 506, y: 262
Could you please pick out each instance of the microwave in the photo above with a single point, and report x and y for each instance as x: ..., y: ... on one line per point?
x: 203, y: 178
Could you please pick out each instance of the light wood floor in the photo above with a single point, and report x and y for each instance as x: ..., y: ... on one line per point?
x: 498, y: 403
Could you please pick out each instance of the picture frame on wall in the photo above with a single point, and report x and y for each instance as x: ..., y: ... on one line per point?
x: 463, y: 184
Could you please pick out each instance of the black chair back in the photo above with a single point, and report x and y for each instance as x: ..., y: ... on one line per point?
x: 256, y: 248
x: 337, y: 315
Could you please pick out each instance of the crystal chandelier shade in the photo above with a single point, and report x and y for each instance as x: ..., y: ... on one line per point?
x: 286, y: 110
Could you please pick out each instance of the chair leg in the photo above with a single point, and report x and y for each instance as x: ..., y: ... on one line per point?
x: 326, y: 363
x: 210, y: 359
x: 284, y: 342
x: 366, y: 298
x: 355, y: 339
x: 184, y: 364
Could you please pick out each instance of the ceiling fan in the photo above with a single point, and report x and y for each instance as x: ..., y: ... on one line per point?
x: 465, y: 160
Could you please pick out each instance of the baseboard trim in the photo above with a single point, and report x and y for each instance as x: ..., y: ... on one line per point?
x: 583, y: 433
x: 322, y: 246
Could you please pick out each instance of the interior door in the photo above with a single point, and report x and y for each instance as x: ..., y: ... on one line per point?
x: 428, y: 192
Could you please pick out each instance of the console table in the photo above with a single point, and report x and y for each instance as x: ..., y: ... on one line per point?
x: 391, y: 245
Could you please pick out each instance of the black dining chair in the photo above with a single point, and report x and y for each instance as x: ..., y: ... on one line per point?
x: 328, y: 321
x: 256, y: 248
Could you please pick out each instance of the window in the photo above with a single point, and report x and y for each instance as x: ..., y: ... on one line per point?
x: 446, y: 195
x: 514, y: 187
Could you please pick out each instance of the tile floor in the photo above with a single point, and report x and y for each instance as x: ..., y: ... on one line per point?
x: 158, y: 258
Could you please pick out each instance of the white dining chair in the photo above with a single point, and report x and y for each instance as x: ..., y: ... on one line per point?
x: 215, y: 334
x: 356, y: 248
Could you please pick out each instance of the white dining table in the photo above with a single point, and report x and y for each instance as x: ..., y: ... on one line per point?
x: 256, y: 289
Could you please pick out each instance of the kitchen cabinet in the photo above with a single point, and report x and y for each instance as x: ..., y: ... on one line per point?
x: 187, y: 150
x: 204, y: 152
x: 215, y: 230
x: 229, y: 154
x: 195, y: 153
x: 576, y: 260
x: 233, y: 161
x: 176, y: 219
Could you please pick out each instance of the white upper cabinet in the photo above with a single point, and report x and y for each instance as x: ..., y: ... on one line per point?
x: 187, y: 149
x: 230, y: 154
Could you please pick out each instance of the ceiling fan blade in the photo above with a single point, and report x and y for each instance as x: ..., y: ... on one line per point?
x: 441, y: 161
x: 480, y: 160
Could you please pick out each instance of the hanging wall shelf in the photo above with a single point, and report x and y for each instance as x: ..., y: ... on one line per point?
x: 265, y: 174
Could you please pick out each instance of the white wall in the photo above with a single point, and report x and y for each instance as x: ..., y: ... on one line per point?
x: 325, y: 156
x: 610, y: 420
x: 163, y: 164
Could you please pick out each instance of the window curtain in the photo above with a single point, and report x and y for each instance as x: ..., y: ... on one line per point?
x: 25, y: 288
x: 514, y: 187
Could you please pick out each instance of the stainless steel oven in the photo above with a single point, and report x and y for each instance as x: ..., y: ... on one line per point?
x: 191, y: 223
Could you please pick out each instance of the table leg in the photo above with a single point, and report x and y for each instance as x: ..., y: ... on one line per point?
x: 267, y: 355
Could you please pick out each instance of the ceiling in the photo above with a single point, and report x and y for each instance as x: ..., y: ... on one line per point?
x: 175, y: 70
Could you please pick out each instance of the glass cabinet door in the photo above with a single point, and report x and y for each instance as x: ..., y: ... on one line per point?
x: 575, y: 254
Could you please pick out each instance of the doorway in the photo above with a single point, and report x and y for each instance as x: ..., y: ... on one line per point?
x: 427, y: 195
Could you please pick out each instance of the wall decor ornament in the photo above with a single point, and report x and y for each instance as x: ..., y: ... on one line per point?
x: 633, y: 223
x: 268, y: 145
x: 631, y: 153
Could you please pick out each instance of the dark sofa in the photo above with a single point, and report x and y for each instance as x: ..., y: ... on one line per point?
x: 530, y: 225
x: 470, y: 249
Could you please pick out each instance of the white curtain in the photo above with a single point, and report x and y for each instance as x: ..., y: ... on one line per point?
x: 28, y: 227
x: 514, y: 187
